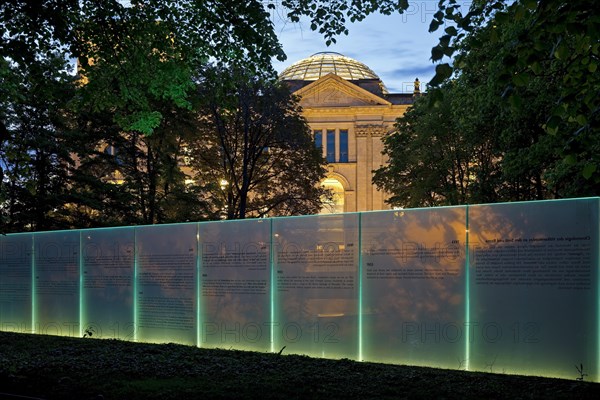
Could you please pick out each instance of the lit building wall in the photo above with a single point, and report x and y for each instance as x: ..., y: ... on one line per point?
x: 349, y: 111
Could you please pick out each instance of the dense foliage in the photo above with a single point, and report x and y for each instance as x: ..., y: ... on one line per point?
x: 105, y: 147
x: 517, y: 120
x: 558, y: 38
x: 512, y: 122
x: 253, y: 141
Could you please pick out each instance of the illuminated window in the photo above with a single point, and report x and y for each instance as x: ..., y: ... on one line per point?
x: 334, y: 204
x: 335, y: 143
x: 330, y: 145
x: 110, y: 150
x: 343, y: 145
x: 116, y: 177
x: 319, y: 138
x: 113, y: 152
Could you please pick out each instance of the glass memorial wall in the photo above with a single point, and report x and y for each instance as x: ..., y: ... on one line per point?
x: 235, y: 284
x: 315, y: 286
x: 413, y: 286
x: 534, y: 287
x: 166, y: 283
x: 56, y: 281
x: 107, y: 268
x: 16, y: 289
x: 507, y: 288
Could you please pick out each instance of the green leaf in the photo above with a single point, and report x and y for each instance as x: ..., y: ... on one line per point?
x: 581, y: 119
x: 445, y: 41
x: 521, y: 79
x: 502, y: 17
x: 552, y: 124
x: 519, y: 13
x: 561, y: 52
x: 515, y: 101
x: 588, y: 170
x: 434, y: 25
x: 144, y: 122
x: 451, y: 31
x: 437, y: 53
x: 570, y: 159
x: 442, y: 72
x: 435, y: 97
x: 536, y: 67
x: 494, y: 36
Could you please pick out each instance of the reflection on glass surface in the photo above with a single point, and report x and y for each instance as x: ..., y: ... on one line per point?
x: 16, y: 283
x: 413, y: 286
x: 500, y: 288
x: 235, y: 285
x: 316, y: 285
x: 56, y: 283
x: 534, y: 287
x: 107, y: 309
x: 166, y: 294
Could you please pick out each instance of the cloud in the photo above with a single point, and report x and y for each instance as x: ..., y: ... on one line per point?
x: 397, y: 48
x: 416, y: 71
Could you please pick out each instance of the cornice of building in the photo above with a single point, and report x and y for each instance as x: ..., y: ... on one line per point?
x: 366, y: 130
x: 355, y: 109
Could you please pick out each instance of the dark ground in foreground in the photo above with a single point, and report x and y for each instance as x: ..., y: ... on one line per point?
x: 52, y: 367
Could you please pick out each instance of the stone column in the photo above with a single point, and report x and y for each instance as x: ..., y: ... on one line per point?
x: 368, y: 139
x: 362, y: 136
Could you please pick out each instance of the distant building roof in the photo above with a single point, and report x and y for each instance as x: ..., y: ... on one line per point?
x: 320, y: 64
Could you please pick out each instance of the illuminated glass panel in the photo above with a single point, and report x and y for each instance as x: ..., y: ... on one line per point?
x: 108, y: 283
x: 56, y: 283
x: 15, y: 282
x: 534, y: 287
x: 235, y: 285
x: 330, y: 145
x: 343, y: 145
x: 413, y: 287
x: 166, y: 283
x: 316, y: 285
x: 503, y: 288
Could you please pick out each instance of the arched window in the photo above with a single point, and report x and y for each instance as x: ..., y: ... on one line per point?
x: 335, y: 204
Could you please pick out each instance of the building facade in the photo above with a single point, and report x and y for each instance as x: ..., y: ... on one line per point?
x: 349, y: 110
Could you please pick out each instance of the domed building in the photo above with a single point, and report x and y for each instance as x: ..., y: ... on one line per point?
x: 349, y: 110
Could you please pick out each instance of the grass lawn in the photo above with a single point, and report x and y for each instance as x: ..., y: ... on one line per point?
x: 51, y: 367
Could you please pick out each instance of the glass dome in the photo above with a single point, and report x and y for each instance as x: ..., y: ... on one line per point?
x: 321, y: 64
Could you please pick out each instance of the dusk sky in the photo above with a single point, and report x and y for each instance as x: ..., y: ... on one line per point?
x: 395, y: 47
